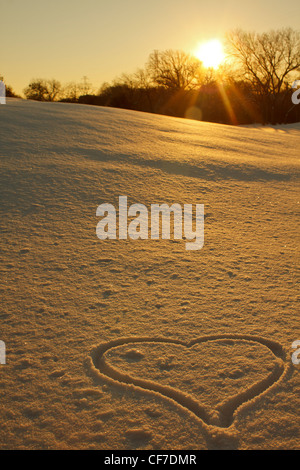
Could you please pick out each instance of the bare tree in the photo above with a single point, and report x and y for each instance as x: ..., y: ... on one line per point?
x: 54, y: 89
x: 142, y: 79
x: 36, y: 90
x: 174, y: 69
x: 43, y: 90
x: 269, y: 62
x: 125, y: 79
x: 71, y: 92
x: 267, y: 59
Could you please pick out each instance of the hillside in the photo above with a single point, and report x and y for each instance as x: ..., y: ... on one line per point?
x: 141, y: 344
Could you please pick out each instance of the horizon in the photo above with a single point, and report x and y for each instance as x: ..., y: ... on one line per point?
x: 101, y: 41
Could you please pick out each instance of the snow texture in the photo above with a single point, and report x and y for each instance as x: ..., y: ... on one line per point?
x: 141, y: 344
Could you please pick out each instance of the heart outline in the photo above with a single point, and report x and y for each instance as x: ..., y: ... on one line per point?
x: 221, y: 416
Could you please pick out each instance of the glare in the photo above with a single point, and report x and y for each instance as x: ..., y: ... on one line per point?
x: 210, y: 53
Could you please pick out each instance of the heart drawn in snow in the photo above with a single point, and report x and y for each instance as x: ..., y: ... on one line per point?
x: 221, y: 415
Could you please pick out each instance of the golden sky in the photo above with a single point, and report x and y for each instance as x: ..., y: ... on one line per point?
x: 101, y: 39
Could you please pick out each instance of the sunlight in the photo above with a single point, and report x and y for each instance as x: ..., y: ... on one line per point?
x: 210, y: 53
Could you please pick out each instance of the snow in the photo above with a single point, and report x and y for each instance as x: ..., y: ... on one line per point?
x: 141, y: 344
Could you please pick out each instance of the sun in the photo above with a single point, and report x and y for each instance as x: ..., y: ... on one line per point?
x: 210, y: 53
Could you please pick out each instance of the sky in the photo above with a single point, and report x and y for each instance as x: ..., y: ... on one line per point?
x: 101, y: 39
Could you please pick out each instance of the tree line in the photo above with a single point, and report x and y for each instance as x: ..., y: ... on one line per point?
x: 253, y: 86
